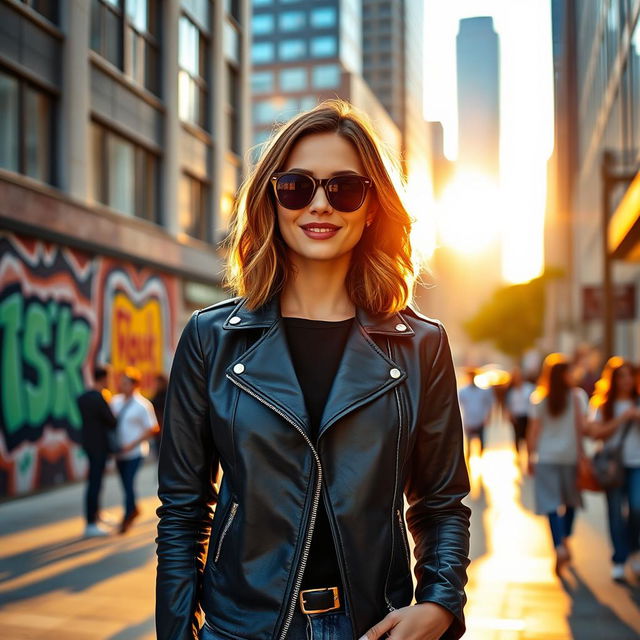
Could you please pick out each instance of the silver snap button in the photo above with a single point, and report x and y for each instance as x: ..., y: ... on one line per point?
x: 395, y: 373
x: 234, y: 319
x: 401, y: 327
x: 238, y: 368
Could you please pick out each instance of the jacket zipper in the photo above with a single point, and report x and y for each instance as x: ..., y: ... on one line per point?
x: 404, y: 538
x: 395, y: 489
x: 314, y: 505
x: 227, y: 525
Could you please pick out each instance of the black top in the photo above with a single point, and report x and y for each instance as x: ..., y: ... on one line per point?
x: 97, y: 419
x: 316, y: 347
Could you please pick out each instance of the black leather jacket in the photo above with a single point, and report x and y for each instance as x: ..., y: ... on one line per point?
x: 391, y: 425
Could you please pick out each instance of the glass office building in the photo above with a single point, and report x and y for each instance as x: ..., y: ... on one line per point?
x: 595, y: 184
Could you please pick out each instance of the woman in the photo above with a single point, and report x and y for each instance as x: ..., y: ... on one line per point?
x: 615, y: 421
x: 557, y: 421
x: 322, y: 396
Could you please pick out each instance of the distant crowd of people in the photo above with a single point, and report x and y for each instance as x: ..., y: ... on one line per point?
x: 125, y: 426
x: 572, y: 409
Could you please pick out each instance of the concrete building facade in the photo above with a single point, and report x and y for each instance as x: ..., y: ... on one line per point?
x: 122, y: 132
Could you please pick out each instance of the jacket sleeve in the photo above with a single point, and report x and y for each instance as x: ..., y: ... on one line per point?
x: 187, y: 468
x: 436, y: 483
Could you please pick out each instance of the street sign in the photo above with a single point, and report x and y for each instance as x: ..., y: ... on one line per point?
x: 624, y: 302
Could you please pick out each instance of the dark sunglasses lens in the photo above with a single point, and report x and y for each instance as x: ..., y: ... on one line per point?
x: 294, y: 190
x: 346, y: 193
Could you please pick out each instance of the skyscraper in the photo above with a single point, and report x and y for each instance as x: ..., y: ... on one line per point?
x: 303, y: 54
x: 478, y: 63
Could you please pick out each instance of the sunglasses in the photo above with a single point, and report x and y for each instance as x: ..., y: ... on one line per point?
x: 296, y: 190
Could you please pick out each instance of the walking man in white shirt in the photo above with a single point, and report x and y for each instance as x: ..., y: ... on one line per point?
x: 136, y: 425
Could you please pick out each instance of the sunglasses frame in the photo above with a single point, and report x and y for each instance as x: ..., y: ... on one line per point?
x: 322, y: 182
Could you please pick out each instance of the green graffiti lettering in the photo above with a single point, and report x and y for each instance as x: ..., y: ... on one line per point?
x: 14, y: 406
x: 41, y: 357
x: 71, y: 348
x: 37, y: 337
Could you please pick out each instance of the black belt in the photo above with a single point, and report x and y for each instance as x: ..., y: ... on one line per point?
x: 320, y: 600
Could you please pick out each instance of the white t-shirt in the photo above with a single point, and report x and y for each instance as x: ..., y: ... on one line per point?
x: 139, y: 416
x: 558, y: 438
x: 476, y: 404
x: 631, y: 445
x: 518, y: 399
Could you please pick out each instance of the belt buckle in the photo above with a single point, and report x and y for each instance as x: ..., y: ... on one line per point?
x: 336, y: 600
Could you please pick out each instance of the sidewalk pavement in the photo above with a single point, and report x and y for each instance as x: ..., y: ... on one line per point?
x: 56, y: 585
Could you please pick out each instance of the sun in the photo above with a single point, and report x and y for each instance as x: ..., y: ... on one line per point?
x: 469, y: 214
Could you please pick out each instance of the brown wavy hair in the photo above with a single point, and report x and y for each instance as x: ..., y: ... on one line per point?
x: 552, y: 384
x: 606, y: 392
x: 381, y: 274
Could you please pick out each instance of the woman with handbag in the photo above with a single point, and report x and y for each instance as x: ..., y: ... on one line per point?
x: 615, y: 420
x: 557, y: 415
x: 324, y: 397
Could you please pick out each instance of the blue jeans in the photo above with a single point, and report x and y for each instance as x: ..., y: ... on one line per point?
x: 314, y: 626
x: 127, y: 470
x: 624, y: 527
x: 97, y: 463
x: 561, y: 525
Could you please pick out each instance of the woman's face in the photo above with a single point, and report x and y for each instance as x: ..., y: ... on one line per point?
x: 318, y: 231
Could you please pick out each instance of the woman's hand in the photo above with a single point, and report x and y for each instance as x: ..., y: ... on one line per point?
x: 424, y: 621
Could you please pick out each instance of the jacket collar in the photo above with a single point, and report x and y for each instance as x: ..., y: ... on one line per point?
x: 269, y: 313
x: 266, y: 371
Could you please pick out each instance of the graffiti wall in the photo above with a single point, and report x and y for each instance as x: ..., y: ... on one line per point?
x: 62, y: 312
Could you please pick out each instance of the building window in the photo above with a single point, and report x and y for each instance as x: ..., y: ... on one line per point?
x: 232, y: 8
x: 262, y: 23
x: 26, y: 129
x: 291, y: 20
x: 291, y: 49
x: 124, y: 174
x: 141, y: 31
x: 128, y: 40
x: 293, y: 79
x: 262, y: 3
x: 46, y: 8
x: 192, y: 85
x: 231, y: 39
x: 199, y: 11
x: 323, y: 17
x: 193, y: 208
x: 262, y: 82
x: 268, y: 111
x: 326, y: 76
x: 323, y: 47
x: 308, y: 102
x: 261, y: 52
x: 106, y: 30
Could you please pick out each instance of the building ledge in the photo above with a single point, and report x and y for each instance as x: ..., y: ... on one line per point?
x: 31, y: 207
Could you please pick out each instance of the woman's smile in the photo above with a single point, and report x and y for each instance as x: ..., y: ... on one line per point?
x: 320, y: 230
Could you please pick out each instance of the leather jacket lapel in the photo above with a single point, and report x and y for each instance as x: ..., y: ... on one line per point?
x: 266, y: 369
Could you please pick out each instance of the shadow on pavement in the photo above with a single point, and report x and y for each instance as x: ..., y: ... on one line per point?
x: 590, y: 618
x: 132, y: 552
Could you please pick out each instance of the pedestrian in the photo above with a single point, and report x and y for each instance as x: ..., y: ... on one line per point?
x: 136, y: 425
x: 517, y: 406
x: 558, y: 415
x: 97, y: 421
x: 476, y: 404
x: 615, y: 420
x: 323, y: 396
x: 158, y: 400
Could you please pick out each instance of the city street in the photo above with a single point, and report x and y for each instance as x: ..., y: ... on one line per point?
x: 56, y: 585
